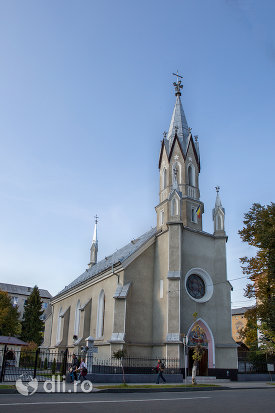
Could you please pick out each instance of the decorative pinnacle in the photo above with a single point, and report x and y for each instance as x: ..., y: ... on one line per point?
x: 164, y: 134
x: 96, y: 219
x: 217, y: 189
x: 177, y: 84
x: 189, y: 130
x: 176, y: 129
x: 196, y: 138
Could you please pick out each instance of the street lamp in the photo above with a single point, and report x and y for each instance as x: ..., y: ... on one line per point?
x: 184, y: 340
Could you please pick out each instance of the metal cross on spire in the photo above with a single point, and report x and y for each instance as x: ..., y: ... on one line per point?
x: 177, y: 84
x: 96, y: 219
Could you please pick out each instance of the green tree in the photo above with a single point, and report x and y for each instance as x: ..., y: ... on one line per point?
x: 259, y: 232
x: 9, y: 316
x: 32, y: 325
x: 54, y: 366
x: 120, y: 355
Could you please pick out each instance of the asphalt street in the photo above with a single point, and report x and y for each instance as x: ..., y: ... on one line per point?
x: 250, y: 400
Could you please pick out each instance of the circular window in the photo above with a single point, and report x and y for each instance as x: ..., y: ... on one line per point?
x: 199, y: 285
x: 195, y: 286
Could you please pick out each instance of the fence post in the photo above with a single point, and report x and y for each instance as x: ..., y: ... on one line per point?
x: 2, y: 375
x: 35, y: 363
x: 64, y: 363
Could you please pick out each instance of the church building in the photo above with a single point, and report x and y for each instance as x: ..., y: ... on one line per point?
x: 144, y: 296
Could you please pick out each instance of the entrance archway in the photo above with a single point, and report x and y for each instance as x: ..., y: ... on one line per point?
x: 206, y: 340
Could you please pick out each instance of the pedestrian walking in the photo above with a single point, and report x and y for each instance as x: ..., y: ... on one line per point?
x: 82, y: 370
x: 160, y: 369
x: 74, y: 367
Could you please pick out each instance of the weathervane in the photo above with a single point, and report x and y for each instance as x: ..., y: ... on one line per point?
x: 177, y: 84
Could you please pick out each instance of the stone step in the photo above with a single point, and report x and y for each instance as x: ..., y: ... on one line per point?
x: 207, y: 379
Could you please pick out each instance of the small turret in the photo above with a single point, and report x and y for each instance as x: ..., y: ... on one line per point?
x: 218, y: 215
x: 94, y: 247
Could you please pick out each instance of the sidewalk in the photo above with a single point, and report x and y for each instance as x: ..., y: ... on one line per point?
x: 138, y: 387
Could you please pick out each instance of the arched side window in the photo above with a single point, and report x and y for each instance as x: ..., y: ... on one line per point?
x: 219, y: 222
x: 77, y: 318
x: 191, y: 175
x: 100, y: 315
x: 177, y: 166
x: 58, y: 331
x: 193, y: 215
x: 164, y: 178
x: 174, y: 207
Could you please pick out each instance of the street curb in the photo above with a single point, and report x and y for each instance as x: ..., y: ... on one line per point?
x: 154, y: 390
x: 8, y: 391
x: 162, y: 390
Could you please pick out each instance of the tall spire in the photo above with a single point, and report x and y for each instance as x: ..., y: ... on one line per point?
x: 178, y: 122
x: 94, y: 247
x: 218, y: 214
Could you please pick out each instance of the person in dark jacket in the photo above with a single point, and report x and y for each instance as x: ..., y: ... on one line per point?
x: 74, y: 367
x: 160, y: 369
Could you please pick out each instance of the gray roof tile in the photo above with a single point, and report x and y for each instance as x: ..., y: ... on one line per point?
x: 21, y: 289
x: 119, y: 256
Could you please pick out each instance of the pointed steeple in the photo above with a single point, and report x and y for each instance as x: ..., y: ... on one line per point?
x: 94, y: 247
x: 218, y: 214
x: 178, y: 124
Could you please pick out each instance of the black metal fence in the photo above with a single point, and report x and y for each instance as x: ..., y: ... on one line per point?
x: 135, y: 365
x: 253, y: 363
x: 36, y: 364
x: 42, y: 365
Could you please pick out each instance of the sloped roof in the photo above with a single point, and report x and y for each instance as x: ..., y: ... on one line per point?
x: 178, y: 125
x: 12, y: 341
x: 240, y: 310
x: 117, y: 257
x: 179, y: 131
x: 21, y: 289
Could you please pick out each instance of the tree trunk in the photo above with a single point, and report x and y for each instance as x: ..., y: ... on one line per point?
x: 194, y: 372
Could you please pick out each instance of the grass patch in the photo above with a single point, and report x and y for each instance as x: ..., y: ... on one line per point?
x: 7, y: 386
x: 153, y: 386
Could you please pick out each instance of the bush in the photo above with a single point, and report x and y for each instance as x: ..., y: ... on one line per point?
x: 45, y: 363
x: 54, y: 366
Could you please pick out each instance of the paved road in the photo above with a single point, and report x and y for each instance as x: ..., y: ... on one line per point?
x: 225, y: 401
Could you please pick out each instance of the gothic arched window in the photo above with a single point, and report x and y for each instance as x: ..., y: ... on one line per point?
x: 58, y: 332
x: 174, y: 207
x: 219, y: 222
x: 176, y: 166
x: 100, y: 315
x: 191, y: 175
x: 193, y: 215
x: 77, y: 318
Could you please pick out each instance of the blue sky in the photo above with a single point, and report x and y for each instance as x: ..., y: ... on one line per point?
x: 85, y: 95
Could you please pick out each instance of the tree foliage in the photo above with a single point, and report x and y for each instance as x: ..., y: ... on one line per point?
x: 120, y: 355
x: 9, y: 316
x: 32, y: 325
x: 259, y: 232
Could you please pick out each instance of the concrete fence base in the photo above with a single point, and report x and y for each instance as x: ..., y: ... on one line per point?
x: 133, y: 378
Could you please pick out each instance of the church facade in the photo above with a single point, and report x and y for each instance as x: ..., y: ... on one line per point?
x: 149, y: 295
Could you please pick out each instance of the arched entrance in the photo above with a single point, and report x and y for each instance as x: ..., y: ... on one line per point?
x: 200, y: 333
